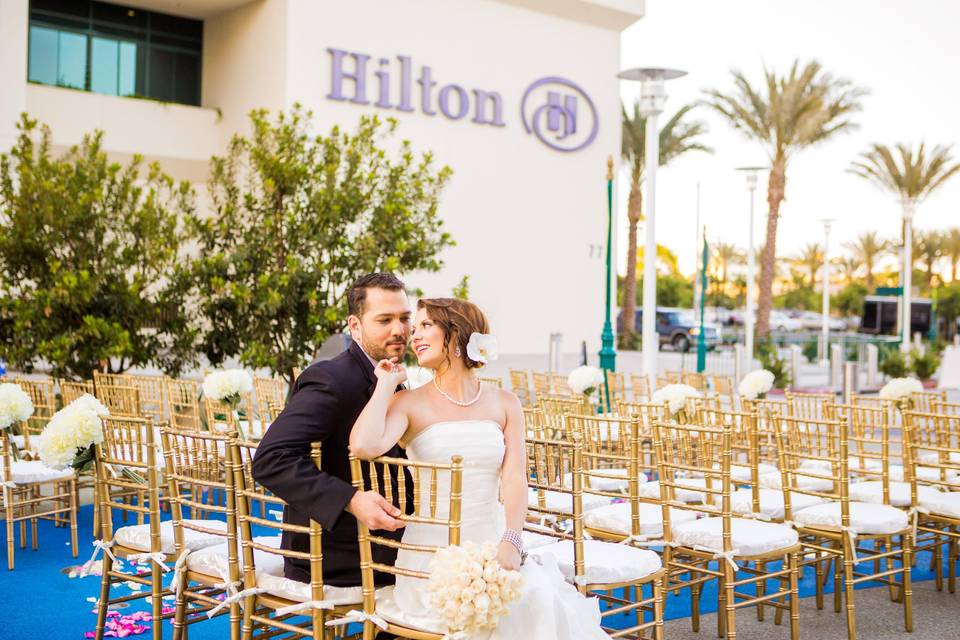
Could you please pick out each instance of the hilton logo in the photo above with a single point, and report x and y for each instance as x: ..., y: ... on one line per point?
x: 550, y: 108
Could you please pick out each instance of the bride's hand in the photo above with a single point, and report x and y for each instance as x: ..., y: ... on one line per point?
x: 508, y: 556
x: 390, y: 373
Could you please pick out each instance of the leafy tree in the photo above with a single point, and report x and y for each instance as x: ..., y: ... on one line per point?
x: 951, y: 250
x: 804, y: 298
x: 786, y: 114
x: 677, y: 136
x: 462, y: 290
x: 893, y: 362
x: 924, y: 364
x: 86, y: 250
x: 866, y: 249
x: 849, y: 300
x: 297, y: 218
x: 948, y: 307
x: 810, y: 260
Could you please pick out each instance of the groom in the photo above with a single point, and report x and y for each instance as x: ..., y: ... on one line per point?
x: 327, y: 398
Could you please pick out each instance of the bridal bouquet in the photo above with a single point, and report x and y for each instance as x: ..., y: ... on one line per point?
x: 900, y: 389
x: 469, y: 587
x: 585, y: 380
x: 676, y: 396
x: 68, y: 439
x: 756, y: 384
x: 15, y: 406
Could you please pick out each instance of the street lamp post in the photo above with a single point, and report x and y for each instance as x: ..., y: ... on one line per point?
x: 608, y: 357
x: 909, y: 207
x: 652, y: 98
x: 825, y: 324
x: 748, y: 320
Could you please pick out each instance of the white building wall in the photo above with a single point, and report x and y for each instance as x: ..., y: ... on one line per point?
x: 13, y: 67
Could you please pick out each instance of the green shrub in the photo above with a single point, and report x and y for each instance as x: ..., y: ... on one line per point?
x: 771, y: 361
x: 811, y: 349
x: 924, y: 364
x: 892, y: 363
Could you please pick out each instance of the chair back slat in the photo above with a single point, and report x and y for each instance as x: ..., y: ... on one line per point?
x: 183, y: 404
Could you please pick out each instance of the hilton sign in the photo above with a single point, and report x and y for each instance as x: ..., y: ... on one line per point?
x: 557, y: 111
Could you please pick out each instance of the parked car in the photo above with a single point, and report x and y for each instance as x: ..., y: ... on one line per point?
x: 780, y: 321
x: 680, y: 328
x: 814, y: 320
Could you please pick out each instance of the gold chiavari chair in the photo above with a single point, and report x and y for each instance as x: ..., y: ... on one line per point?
x: 196, y: 461
x: 735, y: 543
x: 273, y: 412
x: 560, y: 386
x: 32, y: 491
x: 111, y: 379
x: 723, y: 385
x: 808, y: 405
x: 492, y: 382
x: 617, y: 385
x: 70, y: 390
x: 429, y: 507
x: 696, y: 380
x: 835, y: 530
x: 936, y: 515
x: 150, y: 390
x: 121, y: 401
x: 521, y: 387
x: 183, y: 404
x: 44, y: 400
x: 268, y: 598
x: 946, y: 408
x: 220, y: 416
x: 923, y: 401
x: 646, y: 413
x: 269, y: 391
x: 640, y: 388
x: 541, y: 385
x: 597, y: 567
x: 128, y: 461
x: 607, y: 435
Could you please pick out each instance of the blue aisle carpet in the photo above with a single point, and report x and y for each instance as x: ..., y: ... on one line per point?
x: 49, y: 605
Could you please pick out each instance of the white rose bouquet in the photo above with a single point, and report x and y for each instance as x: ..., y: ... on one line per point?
x: 68, y: 439
x: 228, y: 386
x: 756, y: 384
x: 676, y: 396
x: 585, y: 380
x: 469, y: 587
x: 900, y: 389
x: 15, y: 406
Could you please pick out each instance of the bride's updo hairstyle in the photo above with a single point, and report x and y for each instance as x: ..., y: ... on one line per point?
x: 457, y: 319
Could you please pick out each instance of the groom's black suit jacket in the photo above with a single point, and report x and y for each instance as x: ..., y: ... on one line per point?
x: 327, y: 398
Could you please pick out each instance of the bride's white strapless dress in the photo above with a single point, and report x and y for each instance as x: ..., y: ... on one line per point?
x: 549, y: 607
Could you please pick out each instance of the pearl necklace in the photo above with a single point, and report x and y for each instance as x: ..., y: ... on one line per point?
x: 454, y: 400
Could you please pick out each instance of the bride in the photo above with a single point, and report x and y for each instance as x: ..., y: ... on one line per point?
x: 456, y: 414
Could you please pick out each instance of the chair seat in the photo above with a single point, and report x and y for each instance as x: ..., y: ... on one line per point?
x: 28, y: 471
x: 774, y: 481
x: 747, y: 537
x: 741, y: 473
x: 872, y: 491
x: 606, y: 484
x: 559, y: 501
x: 854, y: 463
x: 651, y: 490
x: 934, y: 458
x: 21, y: 441
x: 617, y: 518
x: 214, y: 561
x: 923, y: 473
x: 137, y: 536
x: 605, y: 562
x: 942, y: 503
x: 277, y: 585
x: 866, y: 518
x: 771, y: 502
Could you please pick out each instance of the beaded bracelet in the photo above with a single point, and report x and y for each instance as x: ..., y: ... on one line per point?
x: 513, y: 537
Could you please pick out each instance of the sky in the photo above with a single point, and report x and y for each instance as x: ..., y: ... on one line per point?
x: 907, y: 54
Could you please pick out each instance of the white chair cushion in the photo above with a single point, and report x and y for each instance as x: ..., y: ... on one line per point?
x: 559, y: 501
x: 616, y: 518
x: 872, y: 491
x: 651, y: 490
x: 137, y: 536
x: 934, y: 458
x: 741, y: 473
x: 277, y: 585
x: 943, y: 503
x: 774, y: 481
x: 771, y: 502
x: 606, y: 484
x: 604, y: 562
x: 20, y: 440
x: 853, y: 464
x: 877, y: 519
x: 27, y: 471
x: 747, y: 537
x: 214, y: 561
x: 923, y: 473
x: 532, y: 539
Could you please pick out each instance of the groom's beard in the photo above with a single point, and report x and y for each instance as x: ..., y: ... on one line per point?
x: 379, y: 351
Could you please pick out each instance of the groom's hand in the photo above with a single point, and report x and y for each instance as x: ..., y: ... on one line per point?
x: 391, y: 373
x: 373, y: 510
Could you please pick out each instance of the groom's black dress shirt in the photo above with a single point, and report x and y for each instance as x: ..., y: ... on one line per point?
x: 327, y: 398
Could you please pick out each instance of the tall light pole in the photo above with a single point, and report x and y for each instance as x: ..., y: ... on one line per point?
x: 652, y: 98
x: 909, y: 208
x: 825, y: 324
x: 748, y: 320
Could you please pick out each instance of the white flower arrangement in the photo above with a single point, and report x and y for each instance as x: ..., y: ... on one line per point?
x: 482, y: 347
x: 585, y: 379
x: 469, y: 587
x: 675, y: 395
x: 227, y: 386
x: 68, y: 437
x: 756, y: 384
x: 15, y: 405
x: 901, y: 389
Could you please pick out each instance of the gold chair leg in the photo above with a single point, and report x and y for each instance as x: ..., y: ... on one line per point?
x: 907, y: 557
x: 73, y: 518
x: 818, y: 568
x: 730, y: 600
x: 837, y: 581
x: 695, y: 602
x: 848, y: 552
x: 761, y: 589
x: 106, y: 568
x: 794, y: 597
x: 180, y: 606
x: 936, y: 561
x: 9, y: 512
x: 156, y: 593
x: 952, y: 558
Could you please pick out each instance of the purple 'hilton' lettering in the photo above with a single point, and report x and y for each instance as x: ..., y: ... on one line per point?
x: 482, y: 98
x: 463, y: 101
x: 359, y: 76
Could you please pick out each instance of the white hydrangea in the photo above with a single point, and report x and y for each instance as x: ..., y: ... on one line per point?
x: 227, y: 385
x: 585, y: 379
x: 87, y: 402
x: 57, y: 446
x: 76, y: 427
x: 900, y: 389
x: 675, y: 395
x: 15, y: 405
x: 469, y: 587
x: 755, y: 384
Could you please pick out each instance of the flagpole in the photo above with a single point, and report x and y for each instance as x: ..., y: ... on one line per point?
x: 702, y: 337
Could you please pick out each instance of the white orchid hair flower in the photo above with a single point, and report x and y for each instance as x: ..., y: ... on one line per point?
x: 482, y: 347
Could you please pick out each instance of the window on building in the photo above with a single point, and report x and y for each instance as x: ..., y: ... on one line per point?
x: 116, y: 50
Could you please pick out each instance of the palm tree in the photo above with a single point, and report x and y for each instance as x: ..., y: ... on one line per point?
x: 866, y: 249
x: 927, y: 249
x: 951, y: 249
x: 677, y: 137
x: 726, y: 255
x: 848, y: 266
x: 786, y: 115
x: 809, y: 260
